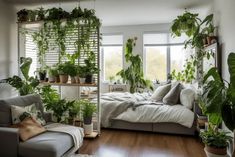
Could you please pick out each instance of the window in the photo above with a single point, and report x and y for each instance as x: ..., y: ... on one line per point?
x: 162, y: 54
x: 112, y: 52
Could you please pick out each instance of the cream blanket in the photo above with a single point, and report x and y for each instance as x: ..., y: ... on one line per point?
x: 76, y: 133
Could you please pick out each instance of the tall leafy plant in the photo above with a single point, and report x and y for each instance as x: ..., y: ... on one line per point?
x: 219, y: 95
x: 27, y: 84
x: 134, y: 74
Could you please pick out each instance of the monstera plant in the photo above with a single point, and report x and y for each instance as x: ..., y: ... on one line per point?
x: 219, y: 95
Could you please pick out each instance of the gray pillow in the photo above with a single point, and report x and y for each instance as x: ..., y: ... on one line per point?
x: 172, y: 97
x: 160, y: 92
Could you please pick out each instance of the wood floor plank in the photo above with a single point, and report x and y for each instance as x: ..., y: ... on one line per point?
x: 119, y: 143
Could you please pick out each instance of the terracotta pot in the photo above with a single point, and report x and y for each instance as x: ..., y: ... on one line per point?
x: 217, y: 151
x: 211, y: 40
x: 64, y: 78
x: 73, y: 80
x: 57, y: 79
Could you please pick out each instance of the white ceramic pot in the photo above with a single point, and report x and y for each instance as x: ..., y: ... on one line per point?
x: 82, y: 80
x: 88, y: 128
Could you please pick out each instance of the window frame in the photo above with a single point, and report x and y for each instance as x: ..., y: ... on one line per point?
x: 110, y: 45
x: 168, y: 55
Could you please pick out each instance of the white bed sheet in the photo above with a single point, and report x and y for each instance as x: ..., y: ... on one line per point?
x: 159, y: 113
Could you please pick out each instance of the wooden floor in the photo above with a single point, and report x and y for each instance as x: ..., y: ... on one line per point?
x: 117, y: 143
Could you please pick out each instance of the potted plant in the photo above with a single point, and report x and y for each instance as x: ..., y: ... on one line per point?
x: 42, y: 73
x: 26, y: 85
x: 218, y: 95
x: 22, y: 15
x: 211, y: 38
x: 52, y: 74
x: 74, y: 110
x: 88, y: 108
x: 215, y: 140
x: 82, y: 74
x: 90, y: 67
x: 40, y: 14
x: 72, y: 71
x: 63, y: 70
x: 31, y: 15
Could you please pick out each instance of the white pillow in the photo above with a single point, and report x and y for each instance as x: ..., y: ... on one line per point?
x: 187, y: 97
x: 160, y: 92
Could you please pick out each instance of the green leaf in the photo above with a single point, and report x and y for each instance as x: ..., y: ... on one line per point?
x: 208, y: 19
x: 25, y: 66
x: 228, y: 114
x: 231, y: 68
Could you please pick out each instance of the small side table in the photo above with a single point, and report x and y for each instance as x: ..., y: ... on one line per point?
x: 117, y: 88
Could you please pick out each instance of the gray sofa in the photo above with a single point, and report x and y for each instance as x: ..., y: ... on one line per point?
x: 48, y: 144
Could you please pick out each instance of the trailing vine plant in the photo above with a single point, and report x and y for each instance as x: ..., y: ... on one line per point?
x: 196, y: 30
x: 134, y: 74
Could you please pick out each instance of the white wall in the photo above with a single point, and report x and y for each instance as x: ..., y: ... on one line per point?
x: 224, y: 13
x: 6, y: 57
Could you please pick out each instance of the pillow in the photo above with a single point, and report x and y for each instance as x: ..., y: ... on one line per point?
x: 160, y: 92
x: 172, y: 97
x: 29, y: 128
x: 20, y: 113
x: 187, y: 97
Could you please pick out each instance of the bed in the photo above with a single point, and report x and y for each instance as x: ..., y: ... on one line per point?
x: 137, y: 112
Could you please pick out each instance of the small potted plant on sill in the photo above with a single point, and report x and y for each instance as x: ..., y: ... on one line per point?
x: 63, y: 70
x: 82, y: 74
x: 74, y: 110
x: 40, y: 14
x: 91, y: 67
x: 72, y: 72
x: 42, y: 73
x: 211, y: 38
x: 88, y: 108
x: 52, y: 74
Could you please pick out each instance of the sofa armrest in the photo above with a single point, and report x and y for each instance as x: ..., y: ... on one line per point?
x: 9, y: 142
x: 48, y: 117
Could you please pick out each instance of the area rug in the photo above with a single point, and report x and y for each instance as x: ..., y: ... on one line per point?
x: 83, y: 155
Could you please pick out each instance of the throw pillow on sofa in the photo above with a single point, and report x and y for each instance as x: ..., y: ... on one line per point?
x: 172, y: 97
x: 187, y: 97
x: 20, y: 113
x: 160, y: 92
x: 29, y: 128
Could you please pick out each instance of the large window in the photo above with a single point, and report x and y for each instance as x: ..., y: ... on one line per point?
x: 112, y: 51
x: 162, y: 54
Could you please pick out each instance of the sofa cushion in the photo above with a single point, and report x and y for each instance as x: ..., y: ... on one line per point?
x: 187, y: 97
x: 29, y: 128
x: 48, y: 144
x: 5, y: 109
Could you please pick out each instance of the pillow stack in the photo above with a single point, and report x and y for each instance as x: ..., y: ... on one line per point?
x: 28, y: 123
x: 175, y: 93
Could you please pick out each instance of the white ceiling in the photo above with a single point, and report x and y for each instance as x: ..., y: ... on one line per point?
x: 126, y: 12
